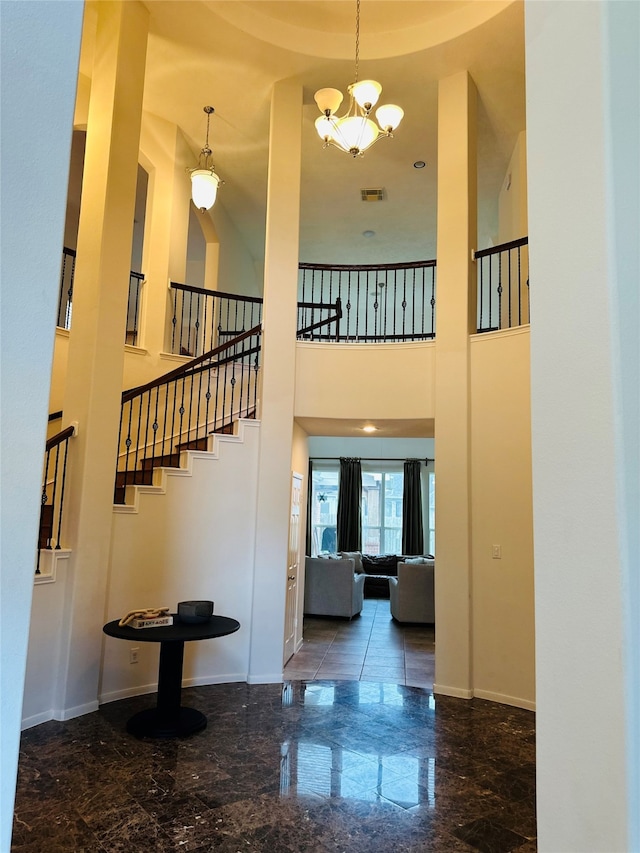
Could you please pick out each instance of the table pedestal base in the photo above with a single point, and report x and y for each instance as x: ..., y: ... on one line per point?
x: 151, y: 723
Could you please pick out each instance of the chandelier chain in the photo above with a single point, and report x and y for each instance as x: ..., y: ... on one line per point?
x: 357, y: 38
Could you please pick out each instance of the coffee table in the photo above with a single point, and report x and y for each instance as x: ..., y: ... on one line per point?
x: 169, y: 718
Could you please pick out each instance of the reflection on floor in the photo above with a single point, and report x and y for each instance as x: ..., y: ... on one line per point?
x: 370, y: 647
x: 304, y: 766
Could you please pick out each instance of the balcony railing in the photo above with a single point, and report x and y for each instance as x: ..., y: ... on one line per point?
x: 503, y: 286
x: 53, y: 483
x: 390, y: 302
x: 65, y: 296
x: 204, y: 319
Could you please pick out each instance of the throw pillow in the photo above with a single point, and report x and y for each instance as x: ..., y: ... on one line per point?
x: 356, y: 556
x: 381, y: 564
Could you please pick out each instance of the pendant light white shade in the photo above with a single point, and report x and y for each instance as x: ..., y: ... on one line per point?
x: 366, y: 93
x: 389, y: 116
x: 356, y: 133
x: 204, y: 188
x: 328, y: 100
x: 325, y: 127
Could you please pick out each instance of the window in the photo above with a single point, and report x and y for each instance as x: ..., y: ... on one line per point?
x: 382, y: 494
x: 324, y: 510
x: 382, y: 511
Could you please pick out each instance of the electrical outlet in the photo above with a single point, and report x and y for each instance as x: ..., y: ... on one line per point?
x: 133, y: 654
x: 496, y: 552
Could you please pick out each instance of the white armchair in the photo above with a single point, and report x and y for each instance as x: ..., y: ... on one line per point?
x: 332, y: 588
x: 411, y: 594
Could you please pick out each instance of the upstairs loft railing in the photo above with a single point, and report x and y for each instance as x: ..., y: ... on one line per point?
x: 178, y: 411
x: 65, y: 296
x: 204, y: 319
x: 379, y: 302
x: 503, y: 286
x: 53, y: 485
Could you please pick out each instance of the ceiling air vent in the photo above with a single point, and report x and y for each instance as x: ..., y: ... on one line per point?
x: 376, y: 194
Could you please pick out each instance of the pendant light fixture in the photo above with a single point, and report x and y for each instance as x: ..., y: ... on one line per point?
x: 204, y: 181
x: 355, y: 131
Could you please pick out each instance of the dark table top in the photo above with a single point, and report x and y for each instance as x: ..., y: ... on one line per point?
x: 216, y: 626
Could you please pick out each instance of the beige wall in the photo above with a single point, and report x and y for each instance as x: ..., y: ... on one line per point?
x: 512, y: 201
x: 365, y: 380
x: 236, y: 265
x: 501, y: 513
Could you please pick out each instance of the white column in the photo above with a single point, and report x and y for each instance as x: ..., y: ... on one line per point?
x: 96, y: 345
x: 278, y: 382
x: 40, y: 47
x: 165, y: 244
x: 455, y: 320
x: 583, y: 141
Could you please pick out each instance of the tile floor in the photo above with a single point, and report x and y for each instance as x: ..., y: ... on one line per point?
x: 308, y: 766
x: 370, y: 647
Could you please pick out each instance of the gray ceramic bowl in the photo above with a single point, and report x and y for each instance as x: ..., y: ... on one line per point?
x: 195, y: 611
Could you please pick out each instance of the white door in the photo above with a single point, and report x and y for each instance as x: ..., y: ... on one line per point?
x: 290, y: 618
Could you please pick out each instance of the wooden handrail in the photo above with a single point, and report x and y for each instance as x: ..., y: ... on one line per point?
x: 185, y: 369
x: 503, y: 247
x: 59, y: 437
x: 217, y: 293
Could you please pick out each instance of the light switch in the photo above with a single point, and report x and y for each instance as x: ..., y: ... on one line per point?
x: 496, y: 552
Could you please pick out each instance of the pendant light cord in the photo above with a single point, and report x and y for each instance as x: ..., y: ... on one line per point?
x: 357, y: 38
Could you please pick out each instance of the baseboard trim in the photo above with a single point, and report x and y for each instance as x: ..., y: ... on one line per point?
x: 267, y: 678
x: 36, y: 720
x: 144, y: 689
x: 64, y: 714
x: 457, y: 692
x: 504, y: 699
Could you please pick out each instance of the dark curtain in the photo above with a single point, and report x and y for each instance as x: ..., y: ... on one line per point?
x: 412, y: 533
x: 350, y: 505
x: 309, y: 508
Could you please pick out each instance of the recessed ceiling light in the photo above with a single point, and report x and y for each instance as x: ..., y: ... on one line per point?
x: 369, y: 429
x: 368, y: 233
x: 419, y: 164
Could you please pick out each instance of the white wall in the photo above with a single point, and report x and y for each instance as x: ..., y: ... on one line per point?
x: 236, y: 265
x: 50, y: 597
x: 40, y: 44
x: 512, y: 201
x: 582, y: 130
x: 300, y: 464
x: 194, y: 541
x: 372, y: 446
x: 366, y: 381
x: 501, y: 514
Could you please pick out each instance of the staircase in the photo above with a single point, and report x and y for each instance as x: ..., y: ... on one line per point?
x: 143, y: 476
x: 180, y: 410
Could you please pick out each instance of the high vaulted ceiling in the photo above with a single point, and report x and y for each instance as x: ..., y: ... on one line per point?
x: 228, y: 53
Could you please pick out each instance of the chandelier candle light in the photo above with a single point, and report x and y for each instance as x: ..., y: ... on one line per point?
x: 355, y: 131
x: 204, y: 181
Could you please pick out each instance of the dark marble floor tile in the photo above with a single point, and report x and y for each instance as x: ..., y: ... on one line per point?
x: 489, y: 837
x: 308, y: 765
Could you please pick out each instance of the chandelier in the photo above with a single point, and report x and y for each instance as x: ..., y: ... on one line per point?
x: 355, y: 131
x: 204, y: 181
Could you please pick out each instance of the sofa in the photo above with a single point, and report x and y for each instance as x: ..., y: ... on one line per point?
x: 411, y: 593
x: 332, y: 587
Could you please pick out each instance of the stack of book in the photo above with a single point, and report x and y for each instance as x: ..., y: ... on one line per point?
x: 157, y: 622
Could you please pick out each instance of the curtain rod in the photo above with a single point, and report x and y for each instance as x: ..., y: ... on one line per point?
x: 426, y: 460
